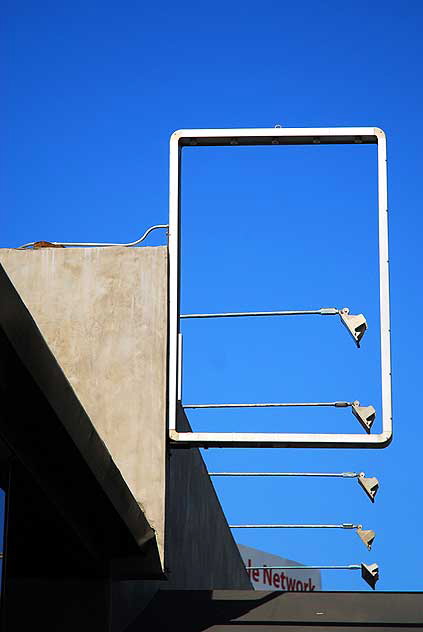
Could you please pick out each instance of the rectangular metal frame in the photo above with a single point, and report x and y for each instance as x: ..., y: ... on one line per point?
x: 275, y: 136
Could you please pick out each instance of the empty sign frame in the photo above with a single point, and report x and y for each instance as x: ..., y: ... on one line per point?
x: 275, y: 136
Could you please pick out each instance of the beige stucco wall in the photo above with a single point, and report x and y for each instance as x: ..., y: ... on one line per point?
x: 103, y: 312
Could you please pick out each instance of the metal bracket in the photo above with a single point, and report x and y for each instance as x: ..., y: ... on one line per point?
x: 366, y: 536
x: 365, y: 414
x: 369, y: 485
x: 356, y: 324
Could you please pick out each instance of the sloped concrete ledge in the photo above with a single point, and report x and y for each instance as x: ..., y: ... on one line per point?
x: 103, y: 314
x: 46, y: 428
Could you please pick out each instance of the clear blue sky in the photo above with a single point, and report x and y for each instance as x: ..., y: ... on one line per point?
x: 90, y: 95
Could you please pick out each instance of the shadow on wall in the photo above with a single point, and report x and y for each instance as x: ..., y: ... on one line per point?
x: 226, y: 611
x: 2, y: 523
x: 200, y: 552
x: 196, y: 611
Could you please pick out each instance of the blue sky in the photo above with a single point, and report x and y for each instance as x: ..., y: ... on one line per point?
x: 92, y: 92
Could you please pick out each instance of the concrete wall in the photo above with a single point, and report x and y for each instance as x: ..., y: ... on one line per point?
x: 201, y: 551
x: 103, y: 313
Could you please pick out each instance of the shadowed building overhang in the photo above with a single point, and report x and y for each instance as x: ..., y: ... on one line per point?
x: 230, y: 610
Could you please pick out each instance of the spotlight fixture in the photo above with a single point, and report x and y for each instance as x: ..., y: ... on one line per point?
x: 365, y: 415
x: 366, y: 536
x: 369, y: 485
x: 369, y: 572
x: 355, y: 323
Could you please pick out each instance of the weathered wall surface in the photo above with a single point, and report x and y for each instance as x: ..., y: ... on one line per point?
x: 201, y: 550
x: 103, y: 313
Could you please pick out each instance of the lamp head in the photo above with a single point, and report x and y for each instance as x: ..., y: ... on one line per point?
x: 365, y: 415
x: 367, y: 536
x: 355, y: 323
x: 369, y: 484
x: 370, y: 574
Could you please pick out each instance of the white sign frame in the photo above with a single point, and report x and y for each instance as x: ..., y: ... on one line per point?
x: 283, y: 136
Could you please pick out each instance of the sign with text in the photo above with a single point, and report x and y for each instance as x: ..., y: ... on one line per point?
x: 268, y: 579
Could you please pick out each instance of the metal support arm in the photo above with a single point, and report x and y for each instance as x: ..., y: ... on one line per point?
x: 345, y: 525
x: 324, y: 311
x: 369, y: 572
